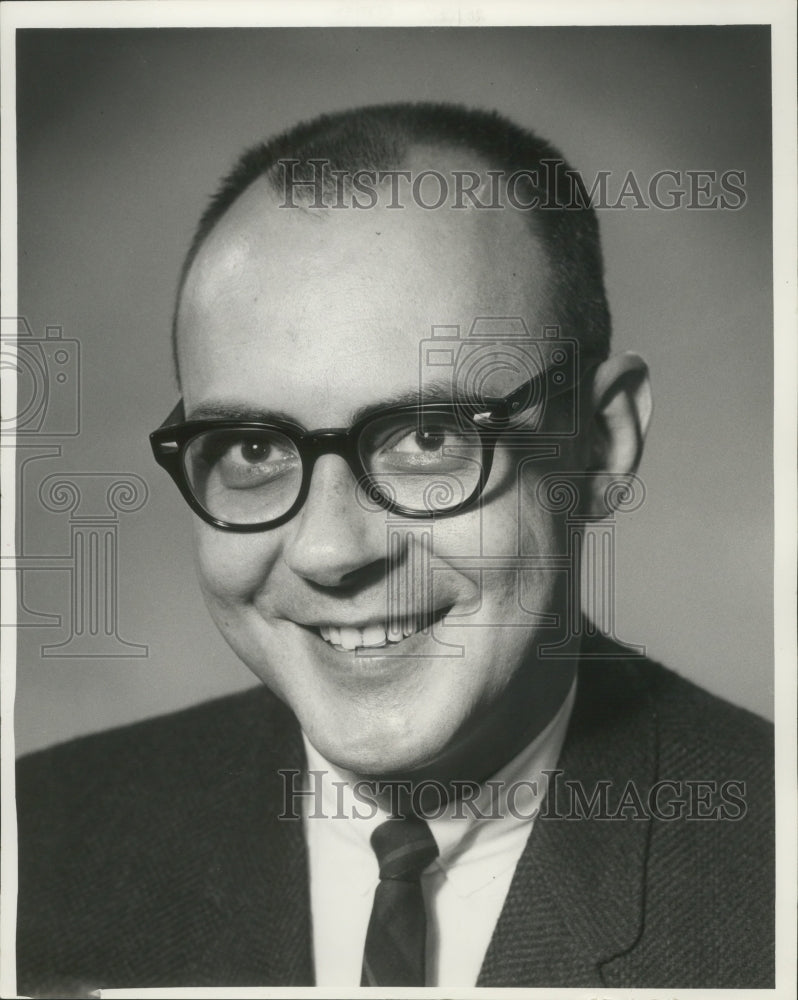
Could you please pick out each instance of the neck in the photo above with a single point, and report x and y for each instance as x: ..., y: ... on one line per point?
x: 485, y: 745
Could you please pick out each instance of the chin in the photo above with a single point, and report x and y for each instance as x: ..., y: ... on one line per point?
x: 377, y: 756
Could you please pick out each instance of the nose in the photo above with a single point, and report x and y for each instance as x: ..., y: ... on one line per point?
x: 335, y: 541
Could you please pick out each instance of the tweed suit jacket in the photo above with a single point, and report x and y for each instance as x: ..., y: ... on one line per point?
x: 154, y: 855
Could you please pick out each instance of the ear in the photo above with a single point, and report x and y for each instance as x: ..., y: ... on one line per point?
x: 619, y: 414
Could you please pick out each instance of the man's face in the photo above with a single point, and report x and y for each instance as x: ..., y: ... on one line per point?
x: 315, y: 315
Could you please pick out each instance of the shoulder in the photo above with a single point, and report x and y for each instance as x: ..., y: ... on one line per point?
x: 135, y: 844
x: 702, y: 772
x: 635, y: 719
x: 689, y: 722
x: 156, y: 755
x: 114, y: 783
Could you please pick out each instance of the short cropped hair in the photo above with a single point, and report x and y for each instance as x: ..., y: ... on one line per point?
x: 380, y: 137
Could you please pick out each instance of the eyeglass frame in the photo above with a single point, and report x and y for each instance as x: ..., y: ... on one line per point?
x: 491, y: 418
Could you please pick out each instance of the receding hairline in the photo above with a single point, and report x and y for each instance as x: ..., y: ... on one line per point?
x: 417, y: 156
x: 508, y: 254
x: 380, y: 137
x: 526, y: 250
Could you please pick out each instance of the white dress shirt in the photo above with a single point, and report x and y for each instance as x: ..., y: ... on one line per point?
x: 464, y: 888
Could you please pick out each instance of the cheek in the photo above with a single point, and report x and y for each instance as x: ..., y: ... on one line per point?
x: 232, y: 567
x: 513, y: 524
x: 512, y: 521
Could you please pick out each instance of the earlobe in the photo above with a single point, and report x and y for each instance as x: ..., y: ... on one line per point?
x: 621, y: 406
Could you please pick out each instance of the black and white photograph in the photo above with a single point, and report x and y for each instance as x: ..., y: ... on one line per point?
x: 398, y: 444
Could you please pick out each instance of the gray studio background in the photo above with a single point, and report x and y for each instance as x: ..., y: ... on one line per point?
x: 121, y: 137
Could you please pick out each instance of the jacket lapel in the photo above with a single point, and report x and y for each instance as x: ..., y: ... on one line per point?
x: 576, y: 899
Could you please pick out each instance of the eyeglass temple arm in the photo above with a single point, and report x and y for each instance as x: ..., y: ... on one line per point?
x: 503, y: 408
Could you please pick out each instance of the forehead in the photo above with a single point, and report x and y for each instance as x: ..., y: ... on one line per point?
x: 317, y: 312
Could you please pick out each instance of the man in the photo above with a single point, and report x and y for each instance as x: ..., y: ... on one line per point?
x: 392, y: 342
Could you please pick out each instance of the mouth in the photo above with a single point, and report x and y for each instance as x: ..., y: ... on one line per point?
x: 348, y: 638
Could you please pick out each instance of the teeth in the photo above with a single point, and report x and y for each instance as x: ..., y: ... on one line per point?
x: 369, y: 637
x: 331, y: 634
x: 374, y: 635
x: 351, y: 638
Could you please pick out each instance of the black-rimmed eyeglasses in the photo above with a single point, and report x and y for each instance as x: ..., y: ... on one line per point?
x: 425, y: 460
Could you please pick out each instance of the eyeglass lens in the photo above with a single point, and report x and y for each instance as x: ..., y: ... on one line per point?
x: 244, y: 476
x: 424, y: 462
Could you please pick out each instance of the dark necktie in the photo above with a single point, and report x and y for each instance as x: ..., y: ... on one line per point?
x: 397, y: 932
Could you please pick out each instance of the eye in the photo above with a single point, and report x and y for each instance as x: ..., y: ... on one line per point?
x: 434, y: 444
x: 241, y: 459
x: 255, y: 458
x: 251, y: 451
x: 419, y: 446
x: 428, y: 439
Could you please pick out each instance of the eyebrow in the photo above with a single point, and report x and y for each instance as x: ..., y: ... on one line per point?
x: 438, y: 391
x: 238, y: 411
